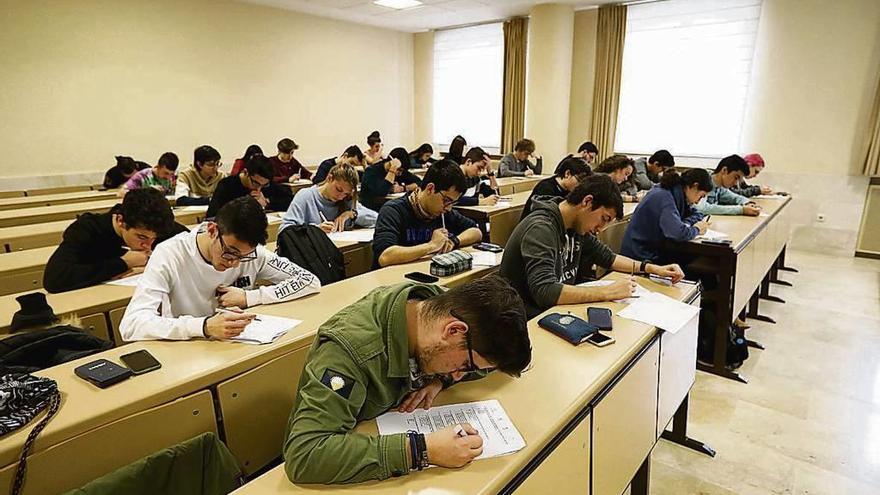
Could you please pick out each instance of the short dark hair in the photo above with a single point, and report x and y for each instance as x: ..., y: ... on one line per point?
x: 614, y: 162
x: 691, y: 176
x: 205, y: 153
x: 574, y: 165
x: 126, y: 164
x: 243, y: 218
x: 355, y: 152
x: 260, y: 165
x: 588, y: 147
x: 662, y: 158
x: 169, y: 160
x: 287, y: 145
x: 733, y: 163
x: 400, y: 154
x: 525, y: 145
x: 252, y: 150
x: 445, y: 174
x: 374, y: 138
x: 496, y: 318
x: 604, y: 191
x: 147, y: 209
x: 476, y: 154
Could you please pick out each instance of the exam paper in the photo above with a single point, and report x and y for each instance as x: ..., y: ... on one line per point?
x: 484, y: 258
x: 266, y: 330
x: 500, y: 436
x: 356, y: 235
x: 661, y: 311
x: 131, y: 281
x: 713, y: 235
x: 768, y: 196
x: 502, y: 204
x: 640, y: 291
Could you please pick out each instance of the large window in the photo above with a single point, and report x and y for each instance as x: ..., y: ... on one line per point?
x: 686, y: 70
x: 468, y: 85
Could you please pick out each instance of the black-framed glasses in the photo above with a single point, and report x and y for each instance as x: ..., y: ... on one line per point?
x: 447, y: 201
x: 261, y: 185
x: 471, y: 365
x: 230, y: 255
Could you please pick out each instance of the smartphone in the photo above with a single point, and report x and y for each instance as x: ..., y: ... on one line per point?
x: 600, y: 317
x: 488, y: 246
x: 140, y: 362
x: 422, y: 277
x: 600, y: 340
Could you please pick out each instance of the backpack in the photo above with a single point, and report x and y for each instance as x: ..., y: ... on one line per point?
x: 309, y: 247
x: 28, y: 352
x: 737, y: 346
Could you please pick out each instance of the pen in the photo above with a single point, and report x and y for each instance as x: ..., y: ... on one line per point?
x: 459, y: 431
x: 324, y: 219
x: 224, y: 310
x: 443, y: 220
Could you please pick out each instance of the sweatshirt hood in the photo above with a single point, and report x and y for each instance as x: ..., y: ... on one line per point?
x: 547, y: 208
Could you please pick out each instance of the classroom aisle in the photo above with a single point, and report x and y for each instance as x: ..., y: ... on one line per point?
x: 809, y: 420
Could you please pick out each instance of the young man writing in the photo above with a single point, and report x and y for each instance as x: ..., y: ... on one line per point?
x: 285, y: 165
x: 254, y: 181
x: 475, y: 167
x: 387, y: 176
x: 517, y: 164
x: 398, y: 347
x: 215, y: 266
x: 100, y: 247
x: 423, y: 222
x: 647, y: 172
x: 197, y: 184
x: 568, y: 175
x: 352, y: 156
x: 160, y: 177
x: 554, y: 248
x: 721, y: 200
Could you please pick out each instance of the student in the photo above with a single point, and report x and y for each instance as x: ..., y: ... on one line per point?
x: 119, y: 174
x: 456, y: 150
x: 475, y: 167
x: 619, y: 168
x: 397, y: 348
x: 332, y: 205
x: 286, y: 167
x: 389, y: 176
x: 255, y: 181
x: 249, y: 153
x: 555, y: 247
x: 568, y: 175
x: 517, y: 164
x: 352, y: 156
x: 197, y: 184
x: 756, y: 166
x: 721, y: 200
x: 160, y: 177
x: 647, y: 172
x: 588, y: 151
x: 423, y: 222
x: 422, y: 156
x: 215, y: 266
x: 374, y: 152
x: 667, y: 213
x: 100, y: 247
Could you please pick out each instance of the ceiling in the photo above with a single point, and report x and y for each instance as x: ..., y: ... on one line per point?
x: 433, y: 14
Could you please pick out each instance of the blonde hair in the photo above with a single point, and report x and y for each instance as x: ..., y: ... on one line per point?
x: 347, y: 174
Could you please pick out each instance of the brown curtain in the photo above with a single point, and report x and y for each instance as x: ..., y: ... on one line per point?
x: 513, y: 110
x: 872, y: 160
x: 609, y: 62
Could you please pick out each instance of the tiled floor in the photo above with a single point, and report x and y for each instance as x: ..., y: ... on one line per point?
x: 808, y: 422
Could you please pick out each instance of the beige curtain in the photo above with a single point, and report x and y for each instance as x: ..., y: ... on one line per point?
x: 872, y: 161
x: 513, y: 110
x: 609, y: 61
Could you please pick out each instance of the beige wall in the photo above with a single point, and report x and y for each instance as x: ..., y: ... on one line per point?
x: 423, y: 74
x: 91, y: 79
x: 583, y: 72
x: 548, y: 83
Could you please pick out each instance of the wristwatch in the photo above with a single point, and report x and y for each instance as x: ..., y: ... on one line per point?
x: 642, y: 267
x: 455, y: 241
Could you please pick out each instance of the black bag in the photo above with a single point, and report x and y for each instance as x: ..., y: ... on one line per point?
x: 28, y: 352
x: 737, y: 347
x: 309, y: 247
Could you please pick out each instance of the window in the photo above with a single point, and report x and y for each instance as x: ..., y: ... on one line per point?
x: 686, y: 69
x: 468, y: 84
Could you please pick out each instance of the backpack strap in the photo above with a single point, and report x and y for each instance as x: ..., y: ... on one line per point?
x: 21, y: 470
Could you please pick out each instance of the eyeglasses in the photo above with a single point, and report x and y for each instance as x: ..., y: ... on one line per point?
x: 230, y: 255
x: 261, y: 185
x: 447, y: 201
x: 471, y: 365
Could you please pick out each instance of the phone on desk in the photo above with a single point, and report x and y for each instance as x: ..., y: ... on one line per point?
x: 600, y: 317
x: 488, y: 246
x: 422, y: 277
x: 140, y: 362
x: 600, y: 340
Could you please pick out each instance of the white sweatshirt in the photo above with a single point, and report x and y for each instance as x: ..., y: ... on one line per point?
x: 177, y: 291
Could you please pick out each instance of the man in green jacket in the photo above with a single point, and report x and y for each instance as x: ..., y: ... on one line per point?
x: 397, y: 348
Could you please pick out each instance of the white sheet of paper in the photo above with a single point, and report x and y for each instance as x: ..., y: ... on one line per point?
x: 502, y: 204
x: 484, y: 258
x: 661, y: 311
x: 470, y: 192
x: 713, y: 235
x: 356, y: 235
x: 131, y: 281
x: 266, y: 330
x: 500, y: 436
x: 195, y: 208
x: 596, y: 283
x: 768, y: 196
x: 640, y: 291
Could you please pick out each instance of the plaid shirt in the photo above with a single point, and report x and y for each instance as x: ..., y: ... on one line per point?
x: 444, y: 265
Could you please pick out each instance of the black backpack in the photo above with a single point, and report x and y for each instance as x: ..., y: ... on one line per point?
x: 309, y: 247
x: 32, y: 351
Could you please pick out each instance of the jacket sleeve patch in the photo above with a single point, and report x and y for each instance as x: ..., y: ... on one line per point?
x: 338, y: 382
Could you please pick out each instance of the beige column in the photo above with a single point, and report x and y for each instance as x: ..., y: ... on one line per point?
x: 423, y: 88
x: 548, y: 84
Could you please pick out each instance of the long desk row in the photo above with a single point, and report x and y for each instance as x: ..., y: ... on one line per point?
x: 55, y: 199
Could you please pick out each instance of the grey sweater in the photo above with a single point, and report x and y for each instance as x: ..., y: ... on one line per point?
x: 541, y: 256
x: 511, y: 167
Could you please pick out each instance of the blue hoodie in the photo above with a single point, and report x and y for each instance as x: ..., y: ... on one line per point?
x: 662, y: 214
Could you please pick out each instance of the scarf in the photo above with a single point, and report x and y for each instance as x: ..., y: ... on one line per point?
x: 198, y: 186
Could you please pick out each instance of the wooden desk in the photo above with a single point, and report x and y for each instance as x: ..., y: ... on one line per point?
x: 12, y: 194
x: 588, y: 415
x: 55, y: 199
x: 513, y: 185
x: 26, y: 216
x: 296, y: 186
x: 58, y: 190
x: 744, y: 270
x: 499, y: 221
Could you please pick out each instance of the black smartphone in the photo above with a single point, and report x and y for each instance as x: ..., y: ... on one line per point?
x: 600, y: 317
x: 140, y: 362
x: 422, y: 277
x: 599, y: 340
x: 488, y: 246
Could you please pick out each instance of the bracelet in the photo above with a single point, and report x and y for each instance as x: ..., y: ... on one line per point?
x: 642, y: 267
x: 423, y: 451
x: 413, y: 450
